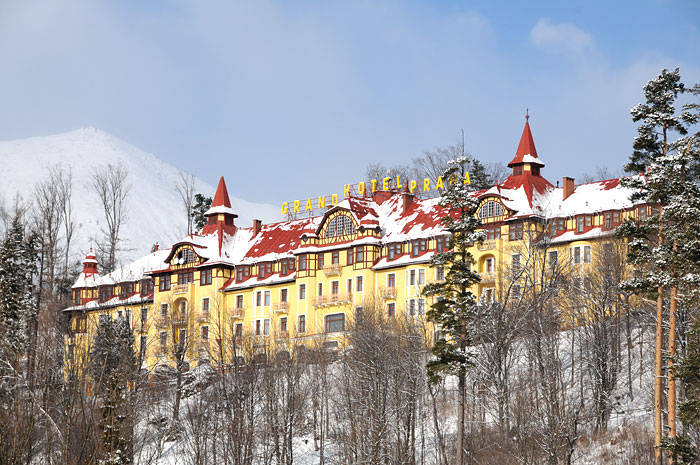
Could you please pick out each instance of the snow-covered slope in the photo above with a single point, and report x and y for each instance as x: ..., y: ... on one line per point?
x: 155, y: 211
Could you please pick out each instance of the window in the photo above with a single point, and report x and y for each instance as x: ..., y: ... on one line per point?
x: 418, y: 246
x: 264, y: 270
x: 643, y: 213
x: 350, y: 256
x: 143, y: 345
x: 258, y: 327
x: 491, y: 209
x: 76, y: 297
x: 163, y: 340
x: 493, y: 232
x: 126, y: 290
x: 553, y: 258
x: 239, y: 330
x: 576, y: 254
x: 412, y: 307
x: 164, y: 283
x: 515, y: 231
x: 421, y: 306
x: 607, y: 220
x: 185, y: 256
x: 440, y: 273
x: 144, y: 317
x: 579, y: 224
x: 335, y: 323
x: 302, y: 291
x: 394, y: 250
x: 359, y: 313
x: 516, y: 291
x: 283, y: 295
x: 321, y: 260
x: 205, y: 333
x: 587, y: 254
x: 515, y: 262
x: 557, y: 226
x: 283, y: 324
x: 412, y: 278
x: 489, y: 265
x: 258, y: 299
x: 487, y: 296
x: 421, y: 277
x: 302, y: 324
x: 182, y: 337
x: 359, y: 254
x: 441, y: 243
x: 616, y: 218
x: 120, y: 315
x: 334, y: 288
x: 105, y: 293
x: 267, y: 298
x: 242, y: 273
x: 335, y: 257
x: 286, y: 266
x: 358, y: 284
x: 320, y: 289
x: 204, y: 277
x: 164, y: 310
x: 302, y: 262
x: 266, y: 327
x: 391, y: 280
x: 239, y: 301
x: 349, y: 286
x: 391, y: 309
x: 185, y: 278
x: 205, y: 304
x: 589, y: 221
x: 341, y: 225
x: 146, y: 286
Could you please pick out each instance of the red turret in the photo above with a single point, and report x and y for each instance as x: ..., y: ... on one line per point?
x: 526, y: 153
x: 220, y: 215
x: 90, y: 264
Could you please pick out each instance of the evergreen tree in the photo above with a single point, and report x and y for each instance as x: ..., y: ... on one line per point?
x: 18, y: 268
x: 113, y: 365
x: 201, y: 205
x: 455, y: 303
x: 665, y: 244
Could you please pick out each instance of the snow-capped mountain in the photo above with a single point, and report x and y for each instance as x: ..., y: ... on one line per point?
x: 155, y: 211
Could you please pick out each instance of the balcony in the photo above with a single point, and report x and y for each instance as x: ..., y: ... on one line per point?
x: 180, y: 288
x: 162, y: 321
x: 332, y: 270
x: 488, y: 277
x: 333, y: 299
x: 387, y: 292
x: 488, y: 245
x: 236, y: 313
x: 280, y: 307
x: 180, y: 318
x: 202, y: 316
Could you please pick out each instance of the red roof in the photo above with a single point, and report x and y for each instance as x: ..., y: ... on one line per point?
x: 526, y: 146
x: 528, y: 182
x: 221, y: 197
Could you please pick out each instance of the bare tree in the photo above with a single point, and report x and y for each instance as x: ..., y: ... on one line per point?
x: 110, y: 183
x: 185, y: 187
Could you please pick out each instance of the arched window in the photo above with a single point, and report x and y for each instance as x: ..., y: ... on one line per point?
x: 491, y: 209
x: 341, y: 225
x: 186, y: 256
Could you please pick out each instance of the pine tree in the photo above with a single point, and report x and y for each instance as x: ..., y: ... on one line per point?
x: 113, y: 366
x: 455, y: 303
x: 666, y: 243
x: 201, y: 205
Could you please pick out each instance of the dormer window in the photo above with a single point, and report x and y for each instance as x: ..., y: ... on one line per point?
x: 242, y: 273
x: 491, y: 209
x: 286, y: 266
x: 185, y: 256
x: 341, y: 225
x: 264, y: 270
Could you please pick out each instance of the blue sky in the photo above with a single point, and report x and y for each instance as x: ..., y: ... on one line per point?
x: 291, y: 99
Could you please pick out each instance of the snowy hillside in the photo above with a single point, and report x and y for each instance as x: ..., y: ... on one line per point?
x: 155, y: 212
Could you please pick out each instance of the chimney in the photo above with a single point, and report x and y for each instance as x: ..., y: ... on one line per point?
x: 257, y: 226
x: 568, y: 187
x: 155, y: 247
x: 407, y: 201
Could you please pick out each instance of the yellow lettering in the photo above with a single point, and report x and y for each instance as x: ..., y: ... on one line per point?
x: 346, y: 192
x: 438, y: 184
x: 285, y: 208
x: 296, y: 206
x: 361, y: 188
x: 467, y: 179
x: 398, y: 182
x: 426, y: 185
x: 309, y: 205
x: 412, y: 186
x: 385, y: 184
x: 334, y: 199
x: 322, y: 202
x: 374, y: 185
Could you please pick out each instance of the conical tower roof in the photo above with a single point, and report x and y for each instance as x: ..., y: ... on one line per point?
x: 526, y: 153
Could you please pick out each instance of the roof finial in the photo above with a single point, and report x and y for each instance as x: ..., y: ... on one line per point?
x: 527, y: 114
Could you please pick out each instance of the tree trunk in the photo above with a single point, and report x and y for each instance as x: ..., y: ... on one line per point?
x: 460, y: 419
x: 658, y: 381
x: 671, y: 367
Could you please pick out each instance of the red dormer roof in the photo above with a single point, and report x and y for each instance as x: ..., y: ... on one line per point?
x: 527, y: 153
x: 221, y: 197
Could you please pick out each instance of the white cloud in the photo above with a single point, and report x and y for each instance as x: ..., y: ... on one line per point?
x: 563, y: 38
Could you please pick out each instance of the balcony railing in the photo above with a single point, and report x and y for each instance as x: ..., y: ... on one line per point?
x: 387, y: 292
x: 162, y: 321
x: 180, y: 288
x: 202, y: 316
x: 236, y: 312
x: 333, y: 299
x: 488, y: 277
x: 332, y: 270
x: 488, y: 245
x: 180, y: 318
x: 280, y: 307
